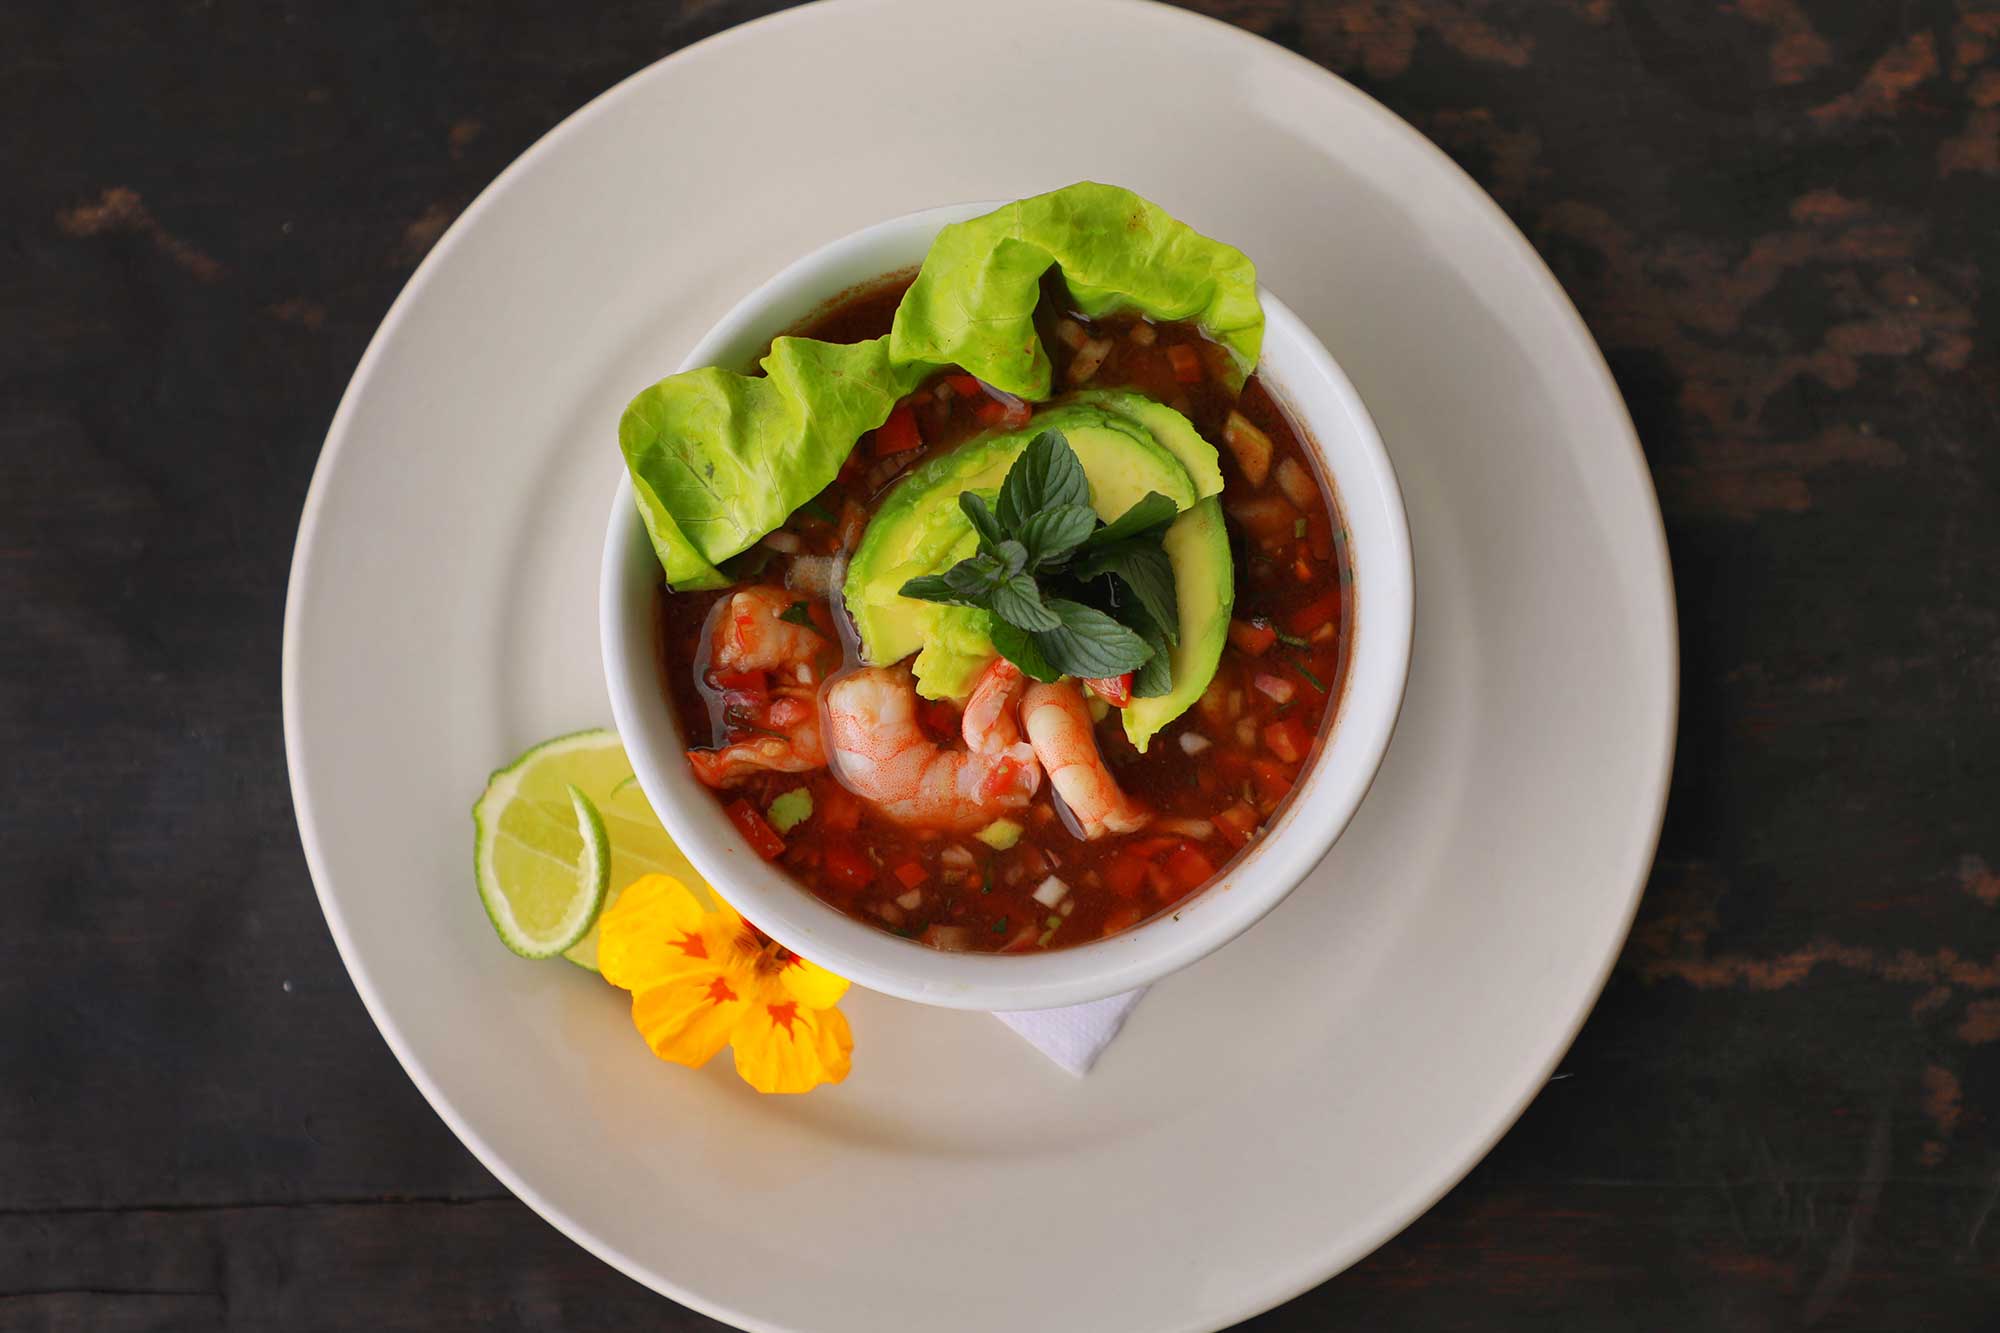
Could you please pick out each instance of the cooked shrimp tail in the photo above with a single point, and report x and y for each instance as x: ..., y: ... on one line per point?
x: 1059, y: 729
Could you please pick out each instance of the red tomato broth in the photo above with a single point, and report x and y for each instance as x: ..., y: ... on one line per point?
x: 1274, y: 694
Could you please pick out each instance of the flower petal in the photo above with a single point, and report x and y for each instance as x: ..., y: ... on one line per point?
x: 786, y: 1047
x: 688, y: 1018
x: 810, y: 984
x: 656, y: 931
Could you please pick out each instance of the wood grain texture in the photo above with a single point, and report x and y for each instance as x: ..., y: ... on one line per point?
x: 1782, y: 221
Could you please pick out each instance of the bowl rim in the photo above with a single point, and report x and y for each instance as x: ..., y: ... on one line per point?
x: 1307, y: 827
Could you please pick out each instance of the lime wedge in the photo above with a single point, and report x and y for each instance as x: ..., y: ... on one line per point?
x: 594, y: 763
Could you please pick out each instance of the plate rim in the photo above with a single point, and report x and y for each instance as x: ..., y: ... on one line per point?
x: 1424, y: 1193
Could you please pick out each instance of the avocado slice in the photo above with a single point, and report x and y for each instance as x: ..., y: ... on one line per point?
x: 1174, y: 431
x: 919, y: 529
x: 1205, y: 592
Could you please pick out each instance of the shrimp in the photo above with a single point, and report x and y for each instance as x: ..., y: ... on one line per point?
x: 885, y: 757
x: 792, y: 744
x: 1059, y: 729
x: 749, y: 636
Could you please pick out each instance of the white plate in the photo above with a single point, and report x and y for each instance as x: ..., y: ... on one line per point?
x: 1270, y: 1115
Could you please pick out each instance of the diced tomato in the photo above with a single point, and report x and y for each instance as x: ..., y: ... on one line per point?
x: 1321, y: 610
x: 1125, y: 876
x: 847, y: 867
x: 1186, y: 362
x: 1121, y: 918
x: 1189, y: 869
x: 1238, y: 822
x: 966, y: 385
x: 1288, y: 739
x: 899, y: 433
x: 1003, y: 412
x: 939, y: 717
x: 910, y: 874
x: 763, y: 839
x: 1114, y: 690
x: 742, y: 682
x: 1254, y: 637
x: 1274, y: 780
x: 835, y: 808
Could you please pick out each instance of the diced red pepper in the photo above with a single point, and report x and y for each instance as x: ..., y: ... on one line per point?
x: 1321, y: 610
x: 965, y: 385
x: 847, y: 867
x: 1114, y: 690
x: 899, y: 433
x: 1274, y: 780
x: 1186, y: 362
x: 1189, y: 869
x: 743, y: 682
x: 1254, y: 637
x: 763, y: 839
x: 1125, y: 876
x: 1288, y: 739
x: 910, y: 874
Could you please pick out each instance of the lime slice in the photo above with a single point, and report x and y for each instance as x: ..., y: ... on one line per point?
x: 594, y: 763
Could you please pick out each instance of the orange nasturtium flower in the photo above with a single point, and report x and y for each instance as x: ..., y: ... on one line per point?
x: 703, y: 980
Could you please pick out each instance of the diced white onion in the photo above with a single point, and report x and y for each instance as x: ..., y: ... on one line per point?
x: 1193, y: 742
x: 1199, y: 829
x: 784, y: 543
x: 910, y: 901
x: 812, y: 574
x: 1089, y: 358
x: 956, y: 857
x: 1276, y: 687
x: 1297, y: 484
x: 1051, y: 891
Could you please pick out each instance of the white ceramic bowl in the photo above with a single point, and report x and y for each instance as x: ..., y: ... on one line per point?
x: 1305, y: 379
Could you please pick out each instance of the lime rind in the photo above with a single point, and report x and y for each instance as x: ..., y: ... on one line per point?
x: 592, y: 866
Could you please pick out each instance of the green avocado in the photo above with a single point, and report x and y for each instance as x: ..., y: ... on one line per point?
x: 1170, y: 428
x: 920, y: 529
x: 1205, y: 592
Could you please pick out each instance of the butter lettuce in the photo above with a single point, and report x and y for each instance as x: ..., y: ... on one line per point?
x: 973, y: 303
x: 718, y: 459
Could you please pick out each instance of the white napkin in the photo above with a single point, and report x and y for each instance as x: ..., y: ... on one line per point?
x: 1076, y: 1036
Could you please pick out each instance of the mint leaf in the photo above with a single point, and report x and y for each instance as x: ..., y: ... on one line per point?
x: 799, y: 613
x: 1090, y: 643
x: 983, y: 522
x: 1051, y: 535
x: 1019, y: 602
x: 930, y: 588
x: 975, y: 579
x: 1011, y: 557
x: 1047, y: 475
x: 1019, y: 647
x: 1157, y: 676
x: 1142, y: 566
x: 1153, y: 510
x: 970, y: 582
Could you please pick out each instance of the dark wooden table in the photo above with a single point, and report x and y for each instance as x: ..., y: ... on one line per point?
x: 1781, y: 220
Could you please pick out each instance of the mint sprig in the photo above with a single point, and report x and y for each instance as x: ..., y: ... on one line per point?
x: 1068, y: 596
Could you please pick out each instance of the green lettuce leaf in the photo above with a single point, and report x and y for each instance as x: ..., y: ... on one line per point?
x: 719, y: 459
x: 973, y: 303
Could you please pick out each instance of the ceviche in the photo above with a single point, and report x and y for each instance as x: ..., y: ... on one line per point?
x: 1003, y: 604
